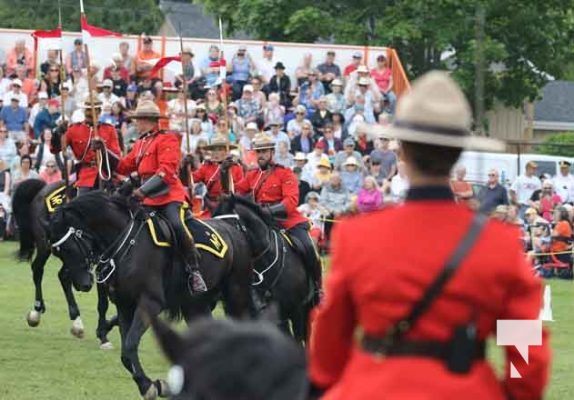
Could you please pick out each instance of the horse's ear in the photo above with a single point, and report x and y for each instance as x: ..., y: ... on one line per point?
x: 169, y: 340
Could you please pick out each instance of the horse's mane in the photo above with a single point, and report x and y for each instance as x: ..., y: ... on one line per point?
x: 256, y: 209
x: 94, y: 204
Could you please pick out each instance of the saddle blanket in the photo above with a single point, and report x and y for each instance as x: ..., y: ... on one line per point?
x: 56, y: 199
x: 205, y: 237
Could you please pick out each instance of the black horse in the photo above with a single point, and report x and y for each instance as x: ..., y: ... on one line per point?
x: 33, y: 204
x: 279, y: 273
x: 133, y: 263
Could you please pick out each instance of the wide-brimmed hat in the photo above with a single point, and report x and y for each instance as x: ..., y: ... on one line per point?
x: 351, y: 161
x: 92, y: 101
x: 262, y: 141
x: 220, y: 141
x: 324, y: 162
x: 435, y: 112
x: 187, y: 50
x: 362, y: 69
x: 312, y: 195
x: 147, y: 109
x: 300, y: 156
x: 279, y: 65
x: 251, y: 126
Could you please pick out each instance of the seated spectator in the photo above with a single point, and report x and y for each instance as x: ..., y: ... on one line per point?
x: 5, y: 84
x: 79, y: 84
x: 117, y: 66
x: 336, y: 101
x: 303, y: 184
x: 561, y: 244
x: 351, y: 175
x: 348, y: 151
x: 280, y: 83
x: 19, y: 55
x: 538, y: 230
x: 206, y: 124
x: 210, y: 66
x: 329, y: 71
x: 128, y: 61
x: 383, y: 77
x: 513, y: 218
x: 317, y: 155
x: 240, y: 68
x: 460, y: 187
x: 120, y: 85
x: 356, y: 114
x: 176, y: 111
x: 352, y: 67
x: 399, y: 184
x: 222, y: 128
x: 265, y: 65
x: 332, y: 144
x: 7, y: 147
x: 339, y: 129
x: 235, y: 121
x: 500, y: 213
x: 47, y: 118
x: 42, y: 154
x: 282, y: 155
x: 22, y: 149
x: 321, y: 116
x: 366, y: 95
x: 142, y: 66
x: 248, y: 107
x: 36, y: 108
x: 316, y: 213
x: 16, y: 92
x: 301, y: 162
x: 322, y: 175
x: 51, y: 82
x: 51, y: 59
x: 190, y: 74
x: 304, y: 142
x: 69, y: 102
x: 273, y: 110
x: 5, y: 186
x: 214, y: 105
x: 196, y: 136
x: 14, y: 118
x: 336, y: 199
x: 106, y: 96
x: 258, y: 93
x: 386, y: 157
x: 239, y: 360
x: 304, y: 69
x: 370, y: 197
x: 23, y: 173
x: 363, y: 144
x: 548, y: 200
x: 77, y: 58
x: 311, y: 91
x: 278, y: 135
x: 295, y: 126
x: 29, y: 85
x: 251, y: 129
x: 492, y: 194
x: 51, y: 173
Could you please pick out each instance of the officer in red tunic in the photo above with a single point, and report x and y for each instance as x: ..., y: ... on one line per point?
x: 80, y: 137
x: 156, y: 156
x: 366, y: 343
x: 209, y: 173
x: 276, y: 188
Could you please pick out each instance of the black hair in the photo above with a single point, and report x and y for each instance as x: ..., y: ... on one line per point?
x: 25, y: 157
x: 431, y: 160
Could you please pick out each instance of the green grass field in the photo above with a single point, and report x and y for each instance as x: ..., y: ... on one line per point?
x: 48, y: 363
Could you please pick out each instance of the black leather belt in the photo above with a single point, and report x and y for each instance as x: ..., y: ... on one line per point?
x: 88, y: 164
x: 408, y: 348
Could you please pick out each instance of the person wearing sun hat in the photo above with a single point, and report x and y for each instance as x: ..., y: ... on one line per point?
x: 209, y: 173
x: 156, y: 157
x: 564, y: 182
x: 276, y: 189
x: 364, y: 341
x: 81, y: 138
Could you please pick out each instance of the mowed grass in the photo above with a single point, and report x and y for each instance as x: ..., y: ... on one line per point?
x: 48, y: 363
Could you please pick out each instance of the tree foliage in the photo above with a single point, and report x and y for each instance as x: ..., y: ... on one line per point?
x: 522, y: 43
x: 558, y: 144
x: 126, y: 16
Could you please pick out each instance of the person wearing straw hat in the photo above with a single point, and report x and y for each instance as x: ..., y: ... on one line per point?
x: 81, y: 138
x: 209, y: 173
x: 413, y: 324
x: 156, y: 157
x: 276, y: 189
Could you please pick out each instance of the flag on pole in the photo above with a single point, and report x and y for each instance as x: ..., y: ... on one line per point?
x: 52, y: 40
x: 90, y: 31
x: 163, y: 62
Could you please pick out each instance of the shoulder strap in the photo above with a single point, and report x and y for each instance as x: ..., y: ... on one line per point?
x: 465, y: 245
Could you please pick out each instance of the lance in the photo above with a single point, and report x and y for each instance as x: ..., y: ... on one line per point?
x: 224, y: 100
x: 63, y: 109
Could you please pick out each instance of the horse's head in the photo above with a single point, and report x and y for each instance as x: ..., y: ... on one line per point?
x: 247, y: 360
x: 73, y: 245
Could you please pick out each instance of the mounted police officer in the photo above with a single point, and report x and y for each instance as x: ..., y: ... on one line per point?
x: 209, y: 173
x: 156, y: 156
x: 81, y: 138
x: 276, y: 189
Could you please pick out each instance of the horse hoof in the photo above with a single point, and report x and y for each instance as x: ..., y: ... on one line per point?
x: 33, y: 318
x: 77, y: 328
x: 164, y: 390
x: 106, y: 346
x: 151, y: 393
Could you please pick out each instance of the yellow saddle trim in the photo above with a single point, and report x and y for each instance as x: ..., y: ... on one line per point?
x: 218, y: 246
x: 55, y: 199
x: 287, y: 238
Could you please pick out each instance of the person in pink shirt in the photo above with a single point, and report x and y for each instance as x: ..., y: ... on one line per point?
x: 51, y: 173
x: 19, y: 55
x: 370, y: 197
x: 382, y: 74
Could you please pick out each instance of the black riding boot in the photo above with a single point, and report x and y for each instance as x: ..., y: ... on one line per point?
x: 311, y: 258
x: 186, y: 247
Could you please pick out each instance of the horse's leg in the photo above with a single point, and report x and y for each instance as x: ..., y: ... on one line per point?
x: 299, y: 323
x: 237, y: 297
x: 33, y: 317
x: 130, y: 358
x: 104, y: 326
x: 77, y: 328
x: 197, y: 310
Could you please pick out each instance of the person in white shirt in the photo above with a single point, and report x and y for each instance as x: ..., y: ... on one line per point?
x: 266, y: 66
x: 107, y: 96
x: 564, y: 182
x: 523, y: 187
x: 399, y: 184
x: 278, y: 135
x: 16, y: 91
x: 176, y: 112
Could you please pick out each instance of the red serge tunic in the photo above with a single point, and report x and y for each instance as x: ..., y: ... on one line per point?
x: 78, y: 137
x: 274, y: 185
x: 209, y: 174
x: 153, y: 153
x: 377, y: 274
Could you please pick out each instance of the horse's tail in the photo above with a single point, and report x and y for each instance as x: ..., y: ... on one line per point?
x: 22, y: 209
